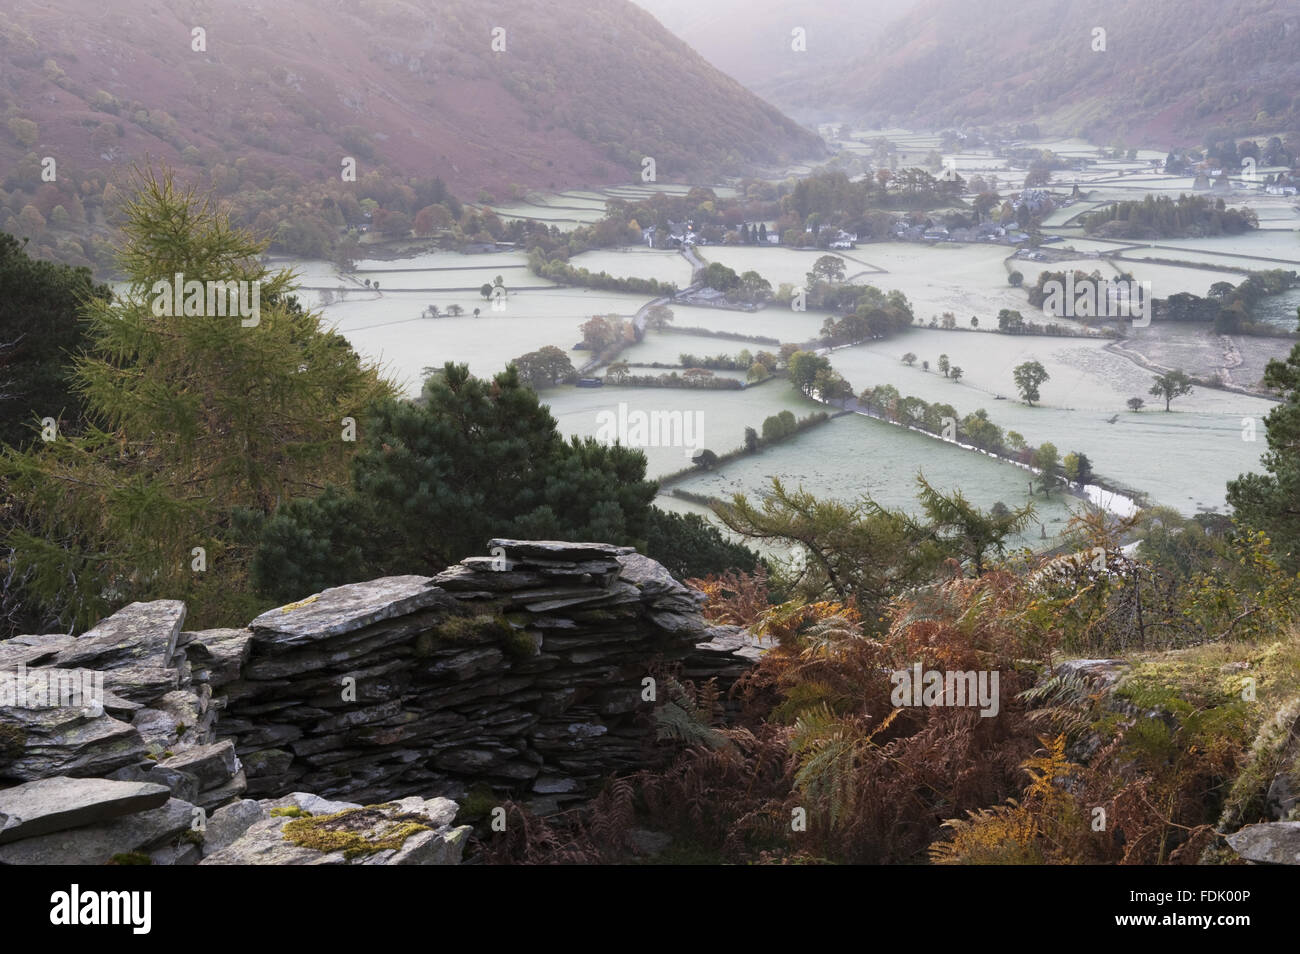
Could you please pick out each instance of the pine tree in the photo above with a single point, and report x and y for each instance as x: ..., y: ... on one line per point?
x: 435, y: 479
x: 39, y: 332
x: 1270, y: 501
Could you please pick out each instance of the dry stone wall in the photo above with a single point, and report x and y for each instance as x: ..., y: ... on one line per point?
x: 386, y: 701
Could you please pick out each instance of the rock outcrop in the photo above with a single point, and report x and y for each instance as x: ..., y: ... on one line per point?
x: 530, y: 671
x: 1272, y: 843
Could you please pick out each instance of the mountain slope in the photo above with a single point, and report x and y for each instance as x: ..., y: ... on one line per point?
x: 582, y: 90
x: 751, y: 39
x: 1171, y: 67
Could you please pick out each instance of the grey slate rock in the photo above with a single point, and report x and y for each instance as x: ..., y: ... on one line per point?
x: 264, y: 842
x: 343, y: 609
x: 221, y: 653
x: 213, y: 765
x: 1102, y: 673
x: 182, y: 786
x: 213, y: 798
x: 142, y: 684
x: 62, y: 741
x: 229, y: 823
x: 650, y: 577
x: 525, y: 550
x: 31, y: 650
x: 54, y: 804
x: 97, y: 844
x: 308, y: 803
x: 142, y: 634
x: 267, y: 762
x: 1272, y: 843
x: 431, y: 712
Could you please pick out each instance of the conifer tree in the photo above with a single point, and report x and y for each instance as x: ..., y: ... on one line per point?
x: 40, y: 330
x: 1270, y: 501
x: 435, y: 479
x: 201, y: 419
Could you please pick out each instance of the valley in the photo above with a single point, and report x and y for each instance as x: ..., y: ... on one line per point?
x: 1180, y: 459
x: 650, y: 432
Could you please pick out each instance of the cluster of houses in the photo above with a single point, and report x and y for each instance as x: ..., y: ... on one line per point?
x: 1215, y: 181
x: 1208, y: 177
x: 1009, y: 234
x: 1037, y: 201
x: 711, y: 298
x: 684, y: 235
x: 1282, y: 185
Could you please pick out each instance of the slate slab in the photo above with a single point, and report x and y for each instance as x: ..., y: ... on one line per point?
x: 1272, y: 843
x: 142, y: 634
x: 343, y: 609
x: 54, y: 804
x: 97, y: 844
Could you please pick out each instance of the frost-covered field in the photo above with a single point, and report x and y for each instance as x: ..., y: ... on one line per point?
x: 559, y: 210
x: 1279, y: 245
x: 1197, y: 350
x: 790, y: 265
x: 465, y: 272
x: 387, y: 327
x: 964, y: 279
x: 581, y: 206
x: 715, y: 420
x: 664, y: 347
x: 1280, y: 310
x: 1167, y: 280
x: 774, y: 321
x: 637, y: 262
x: 854, y: 456
x: 1182, y: 458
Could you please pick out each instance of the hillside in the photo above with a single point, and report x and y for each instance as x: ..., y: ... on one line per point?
x: 582, y: 90
x: 751, y: 39
x: 1171, y: 68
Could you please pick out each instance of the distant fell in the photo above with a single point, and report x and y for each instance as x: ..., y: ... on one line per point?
x: 485, y: 94
x: 1161, y: 70
x: 768, y: 44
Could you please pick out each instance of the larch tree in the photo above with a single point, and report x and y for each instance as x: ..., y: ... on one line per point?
x: 200, y: 419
